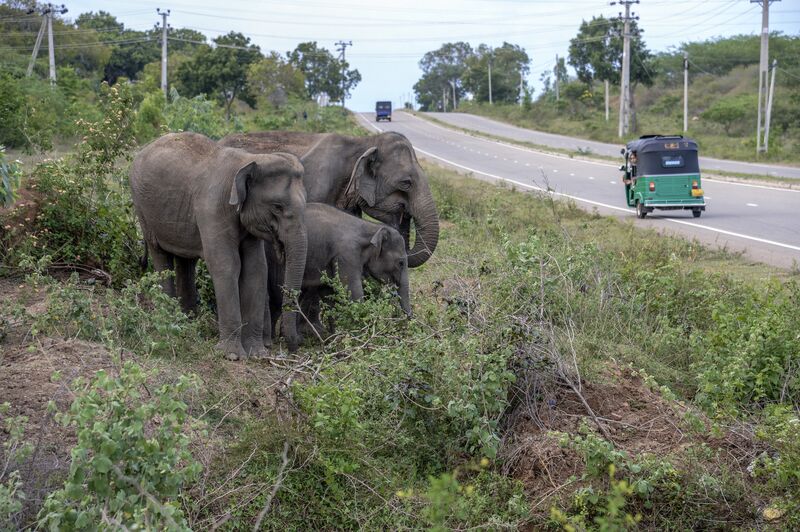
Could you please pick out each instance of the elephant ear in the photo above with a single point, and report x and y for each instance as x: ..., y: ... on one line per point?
x: 239, y: 187
x: 362, y: 182
x: 379, y: 238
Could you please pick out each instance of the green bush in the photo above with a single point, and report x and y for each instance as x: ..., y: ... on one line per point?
x: 196, y: 114
x: 13, y: 453
x: 131, y: 461
x: 9, y: 179
x: 748, y: 354
x: 780, y: 470
x: 85, y: 212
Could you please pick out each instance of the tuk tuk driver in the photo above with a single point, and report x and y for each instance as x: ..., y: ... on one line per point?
x: 631, y: 173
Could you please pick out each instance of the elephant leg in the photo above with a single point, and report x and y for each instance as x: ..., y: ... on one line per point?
x: 163, y: 261
x: 185, y: 270
x: 253, y: 296
x: 224, y: 265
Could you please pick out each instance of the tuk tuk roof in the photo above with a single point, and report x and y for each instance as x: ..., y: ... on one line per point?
x: 655, y: 143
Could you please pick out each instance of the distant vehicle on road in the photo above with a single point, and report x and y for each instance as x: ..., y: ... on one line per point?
x: 662, y: 172
x: 383, y: 111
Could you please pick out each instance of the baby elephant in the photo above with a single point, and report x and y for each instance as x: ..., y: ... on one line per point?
x: 357, y: 248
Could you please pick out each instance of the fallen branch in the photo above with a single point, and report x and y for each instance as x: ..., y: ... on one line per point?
x: 275, y: 487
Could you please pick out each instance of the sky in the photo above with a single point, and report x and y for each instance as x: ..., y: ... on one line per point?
x: 390, y: 37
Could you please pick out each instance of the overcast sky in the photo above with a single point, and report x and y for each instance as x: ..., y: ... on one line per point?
x: 390, y: 37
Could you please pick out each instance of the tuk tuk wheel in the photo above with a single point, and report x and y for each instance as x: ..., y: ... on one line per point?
x: 641, y: 212
x: 696, y: 213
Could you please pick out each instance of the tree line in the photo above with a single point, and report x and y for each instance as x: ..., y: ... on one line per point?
x: 96, y: 47
x: 457, y: 71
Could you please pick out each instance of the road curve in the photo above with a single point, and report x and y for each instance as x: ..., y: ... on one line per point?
x: 762, y: 222
x: 500, y: 129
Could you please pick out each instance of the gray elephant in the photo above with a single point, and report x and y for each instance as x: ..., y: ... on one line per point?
x: 378, y: 174
x: 195, y: 199
x: 356, y: 248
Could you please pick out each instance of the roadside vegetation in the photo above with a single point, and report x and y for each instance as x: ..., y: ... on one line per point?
x: 723, y: 87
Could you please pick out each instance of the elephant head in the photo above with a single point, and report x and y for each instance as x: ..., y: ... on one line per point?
x: 388, y: 183
x: 388, y: 262
x: 269, y: 195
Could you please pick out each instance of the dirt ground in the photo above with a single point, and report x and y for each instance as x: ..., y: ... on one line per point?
x: 638, y: 420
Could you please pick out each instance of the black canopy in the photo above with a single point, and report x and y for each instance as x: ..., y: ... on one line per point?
x: 662, y: 154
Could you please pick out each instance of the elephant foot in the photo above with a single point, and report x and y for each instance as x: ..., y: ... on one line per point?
x: 231, y: 350
x: 258, y: 352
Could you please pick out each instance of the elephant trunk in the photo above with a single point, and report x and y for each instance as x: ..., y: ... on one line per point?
x: 405, y: 298
x: 295, y: 253
x: 426, y: 225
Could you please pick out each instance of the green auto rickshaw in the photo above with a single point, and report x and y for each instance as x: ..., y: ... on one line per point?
x: 662, y: 172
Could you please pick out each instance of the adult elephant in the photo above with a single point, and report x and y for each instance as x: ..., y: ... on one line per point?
x: 378, y: 174
x: 195, y: 199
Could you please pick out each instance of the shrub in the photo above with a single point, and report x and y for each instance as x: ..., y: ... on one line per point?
x: 9, y: 179
x: 131, y: 460
x: 196, y: 114
x: 13, y: 453
x: 85, y: 213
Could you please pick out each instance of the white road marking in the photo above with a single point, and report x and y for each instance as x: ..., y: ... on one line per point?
x: 555, y: 171
x: 573, y: 175
x: 527, y: 164
x: 590, y: 177
x: 752, y: 204
x: 613, y: 207
x: 613, y: 182
x: 516, y: 161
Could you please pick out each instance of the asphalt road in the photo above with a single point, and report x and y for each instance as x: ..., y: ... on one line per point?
x: 493, y: 127
x: 761, y: 221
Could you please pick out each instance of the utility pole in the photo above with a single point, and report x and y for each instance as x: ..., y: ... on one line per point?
x: 490, y: 78
x: 769, y: 104
x: 164, y: 27
x: 342, y: 46
x: 625, y: 83
x: 455, y: 102
x: 763, y: 70
x: 521, y: 91
x: 556, y: 76
x: 685, y: 91
x: 36, y: 46
x: 605, y: 82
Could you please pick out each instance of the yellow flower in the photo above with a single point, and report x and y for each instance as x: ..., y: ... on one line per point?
x: 484, y: 462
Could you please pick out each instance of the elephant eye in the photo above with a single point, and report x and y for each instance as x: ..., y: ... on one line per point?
x: 405, y: 183
x: 278, y: 207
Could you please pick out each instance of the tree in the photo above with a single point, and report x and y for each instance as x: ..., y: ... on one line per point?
x: 729, y: 111
x: 127, y: 59
x: 509, y: 62
x: 322, y: 71
x: 220, y: 71
x: 441, y: 68
x: 275, y: 80
x: 596, y: 52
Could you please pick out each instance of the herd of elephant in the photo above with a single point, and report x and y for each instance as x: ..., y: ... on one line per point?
x: 270, y: 212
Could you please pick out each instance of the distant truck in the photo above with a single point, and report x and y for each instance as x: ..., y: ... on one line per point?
x: 383, y: 111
